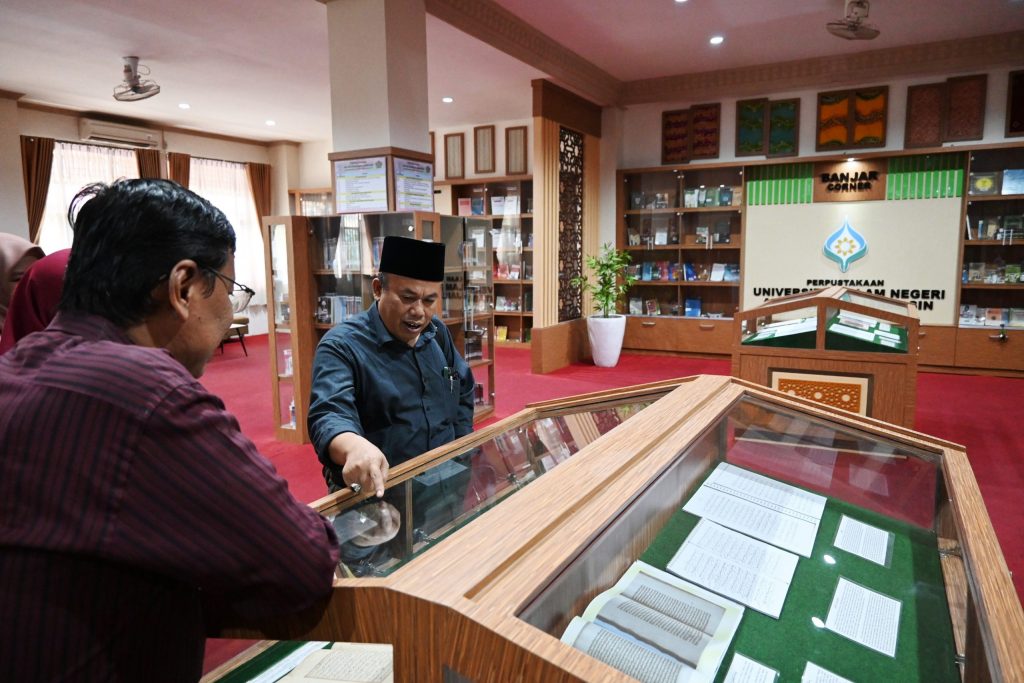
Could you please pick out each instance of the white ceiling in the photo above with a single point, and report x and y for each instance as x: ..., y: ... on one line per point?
x: 241, y: 62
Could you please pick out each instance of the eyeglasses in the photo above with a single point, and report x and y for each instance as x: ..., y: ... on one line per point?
x: 239, y: 293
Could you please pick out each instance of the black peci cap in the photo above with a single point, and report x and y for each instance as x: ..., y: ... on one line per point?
x: 414, y: 259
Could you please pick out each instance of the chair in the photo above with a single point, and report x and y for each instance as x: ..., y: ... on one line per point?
x: 239, y: 324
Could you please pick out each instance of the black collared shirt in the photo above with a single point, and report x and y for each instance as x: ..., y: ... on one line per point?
x: 404, y: 399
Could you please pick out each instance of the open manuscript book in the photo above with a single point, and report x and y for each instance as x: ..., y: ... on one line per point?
x: 657, y: 628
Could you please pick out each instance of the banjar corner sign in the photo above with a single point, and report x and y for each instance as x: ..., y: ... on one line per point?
x: 849, y: 181
x: 845, y: 246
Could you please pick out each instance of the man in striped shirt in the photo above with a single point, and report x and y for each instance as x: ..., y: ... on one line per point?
x: 130, y: 502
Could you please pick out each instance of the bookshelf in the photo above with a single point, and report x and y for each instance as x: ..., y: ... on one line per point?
x: 990, y: 334
x: 310, y: 202
x: 683, y: 229
x: 506, y: 204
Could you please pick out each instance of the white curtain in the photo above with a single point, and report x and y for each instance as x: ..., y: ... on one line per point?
x: 74, y: 167
x: 226, y: 185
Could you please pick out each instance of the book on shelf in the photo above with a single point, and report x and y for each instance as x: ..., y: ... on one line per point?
x: 722, y: 232
x: 717, y: 272
x: 646, y: 271
x: 664, y: 271
x: 378, y: 247
x: 975, y: 272
x: 477, y: 206
x: 514, y: 270
x: 657, y: 627
x: 636, y: 305
x: 502, y: 272
x: 1011, y: 273
x: 710, y: 197
x: 636, y: 200
x: 465, y: 206
x: 511, y: 206
x: 725, y: 196
x: 500, y: 332
x: 661, y: 236
x: 691, y: 308
x: 1012, y: 228
x: 732, y: 273
x: 1016, y: 317
x: 1013, y: 181
x: 689, y: 272
x: 651, y: 307
x: 633, y: 270
x: 996, y: 315
x: 690, y: 198
x: 498, y: 206
x: 701, y: 234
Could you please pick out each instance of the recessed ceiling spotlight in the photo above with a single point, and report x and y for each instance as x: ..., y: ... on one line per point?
x: 447, y: 100
x: 184, y: 105
x: 680, y: 1
x: 717, y: 40
x: 271, y: 122
x: 852, y: 159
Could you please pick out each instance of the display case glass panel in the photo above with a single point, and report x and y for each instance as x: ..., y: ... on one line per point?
x: 890, y: 486
x: 380, y: 535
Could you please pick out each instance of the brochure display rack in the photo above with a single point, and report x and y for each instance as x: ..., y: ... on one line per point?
x: 837, y: 346
x: 570, y: 542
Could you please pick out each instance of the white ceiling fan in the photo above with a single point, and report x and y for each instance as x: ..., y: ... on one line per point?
x: 134, y: 87
x: 852, y: 26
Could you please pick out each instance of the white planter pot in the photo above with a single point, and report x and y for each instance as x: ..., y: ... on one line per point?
x: 606, y: 339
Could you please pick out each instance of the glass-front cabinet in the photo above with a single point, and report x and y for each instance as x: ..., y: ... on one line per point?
x: 682, y: 531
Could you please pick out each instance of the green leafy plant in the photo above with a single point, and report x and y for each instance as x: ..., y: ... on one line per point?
x: 610, y: 281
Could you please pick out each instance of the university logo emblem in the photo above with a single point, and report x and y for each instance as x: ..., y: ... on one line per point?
x: 845, y: 246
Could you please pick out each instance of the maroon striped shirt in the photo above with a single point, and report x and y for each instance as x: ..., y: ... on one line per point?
x: 129, y: 499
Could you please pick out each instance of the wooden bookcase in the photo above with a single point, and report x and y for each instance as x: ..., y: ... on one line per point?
x: 683, y: 228
x: 991, y: 327
x: 310, y: 202
x: 507, y: 203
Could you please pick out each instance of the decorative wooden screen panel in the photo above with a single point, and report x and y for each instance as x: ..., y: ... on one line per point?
x: 965, y: 113
x: 926, y: 113
x: 570, y: 224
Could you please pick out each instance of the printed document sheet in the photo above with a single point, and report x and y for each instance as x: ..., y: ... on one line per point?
x: 864, y: 540
x: 815, y: 674
x: 865, y: 616
x: 746, y: 670
x: 758, y: 506
x: 739, y: 567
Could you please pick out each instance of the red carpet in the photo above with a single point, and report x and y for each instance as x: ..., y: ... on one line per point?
x: 985, y: 414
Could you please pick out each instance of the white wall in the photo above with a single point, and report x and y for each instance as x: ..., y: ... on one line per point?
x: 469, y: 148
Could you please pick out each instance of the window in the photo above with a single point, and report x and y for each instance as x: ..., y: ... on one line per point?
x: 226, y: 185
x: 74, y: 167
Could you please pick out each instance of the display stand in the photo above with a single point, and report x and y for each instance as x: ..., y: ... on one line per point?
x: 508, y: 533
x: 837, y: 346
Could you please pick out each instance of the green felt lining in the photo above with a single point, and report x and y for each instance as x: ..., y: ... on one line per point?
x: 924, y: 650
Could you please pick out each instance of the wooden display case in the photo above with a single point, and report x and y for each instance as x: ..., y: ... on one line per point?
x: 507, y: 204
x: 511, y: 531
x: 311, y: 202
x: 683, y: 228
x: 991, y: 325
x: 468, y: 301
x: 838, y: 346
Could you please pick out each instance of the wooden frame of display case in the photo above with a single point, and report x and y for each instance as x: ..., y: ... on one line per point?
x: 296, y: 196
x: 473, y: 584
x: 889, y: 379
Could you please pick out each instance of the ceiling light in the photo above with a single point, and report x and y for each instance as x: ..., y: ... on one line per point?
x: 184, y: 105
x: 716, y: 40
x: 680, y: 1
x: 851, y: 159
x: 447, y: 100
x: 271, y: 122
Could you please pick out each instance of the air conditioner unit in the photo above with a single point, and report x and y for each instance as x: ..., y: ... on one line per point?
x: 105, y: 132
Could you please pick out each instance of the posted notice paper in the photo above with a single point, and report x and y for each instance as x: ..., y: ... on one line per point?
x: 865, y: 616
x: 749, y: 571
x: 758, y: 506
x: 746, y: 670
x: 864, y: 540
x: 346, y: 663
x: 655, y: 627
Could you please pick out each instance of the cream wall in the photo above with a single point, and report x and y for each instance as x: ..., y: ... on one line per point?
x: 13, y: 214
x: 469, y: 148
x: 911, y: 245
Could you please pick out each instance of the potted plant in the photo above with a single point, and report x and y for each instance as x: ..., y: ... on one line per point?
x: 608, y: 283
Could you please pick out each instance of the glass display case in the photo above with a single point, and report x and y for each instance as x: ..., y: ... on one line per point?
x: 838, y: 346
x: 872, y: 556
x: 468, y: 301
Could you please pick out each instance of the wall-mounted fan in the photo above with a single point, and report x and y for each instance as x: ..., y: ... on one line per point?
x: 852, y: 26
x: 135, y: 87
